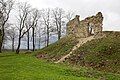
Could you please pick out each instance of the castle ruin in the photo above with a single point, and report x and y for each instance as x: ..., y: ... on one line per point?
x: 87, y: 27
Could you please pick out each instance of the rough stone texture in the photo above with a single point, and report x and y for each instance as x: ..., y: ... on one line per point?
x: 87, y: 27
x: 73, y: 26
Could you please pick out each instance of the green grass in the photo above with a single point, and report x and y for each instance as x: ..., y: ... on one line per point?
x: 23, y: 67
x: 27, y: 67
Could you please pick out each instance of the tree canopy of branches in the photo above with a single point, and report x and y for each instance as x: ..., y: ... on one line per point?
x: 46, y: 15
x: 24, y: 10
x: 35, y: 18
x: 5, y: 9
x: 58, y: 15
x: 11, y: 35
x: 38, y: 25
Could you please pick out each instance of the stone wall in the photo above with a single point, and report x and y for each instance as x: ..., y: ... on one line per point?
x: 87, y: 27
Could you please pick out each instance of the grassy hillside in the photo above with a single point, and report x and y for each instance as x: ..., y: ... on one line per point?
x: 57, y: 50
x: 101, y: 54
x: 26, y: 67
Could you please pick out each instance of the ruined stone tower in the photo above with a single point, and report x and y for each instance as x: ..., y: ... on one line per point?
x: 87, y: 27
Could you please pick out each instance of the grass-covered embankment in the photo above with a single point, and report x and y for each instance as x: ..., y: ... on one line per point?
x: 56, y: 50
x: 27, y: 67
x: 101, y: 54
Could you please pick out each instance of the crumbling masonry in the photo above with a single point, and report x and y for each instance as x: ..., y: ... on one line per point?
x: 87, y: 27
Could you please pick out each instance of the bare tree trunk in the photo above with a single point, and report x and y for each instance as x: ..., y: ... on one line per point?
x: 59, y: 32
x: 35, y: 40
x: 39, y: 39
x: 28, y: 41
x: 47, y: 36
x: 59, y: 35
x: 18, y: 48
x: 0, y: 41
x: 33, y: 35
x: 13, y: 40
x: 0, y: 47
x: 39, y: 43
x: 45, y: 41
x: 2, y: 33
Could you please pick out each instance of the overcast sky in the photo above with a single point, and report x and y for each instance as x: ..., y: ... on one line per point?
x: 85, y: 8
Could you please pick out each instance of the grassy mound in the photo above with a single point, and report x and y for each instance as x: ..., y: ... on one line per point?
x: 57, y: 50
x: 101, y: 54
x: 26, y: 67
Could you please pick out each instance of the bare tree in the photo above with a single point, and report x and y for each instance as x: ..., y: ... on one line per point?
x: 69, y: 15
x: 28, y: 35
x: 39, y: 37
x: 28, y: 25
x: 47, y: 22
x: 5, y: 9
x: 24, y: 10
x: 35, y: 18
x: 58, y: 15
x: 43, y: 36
x: 39, y: 32
x: 11, y: 35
